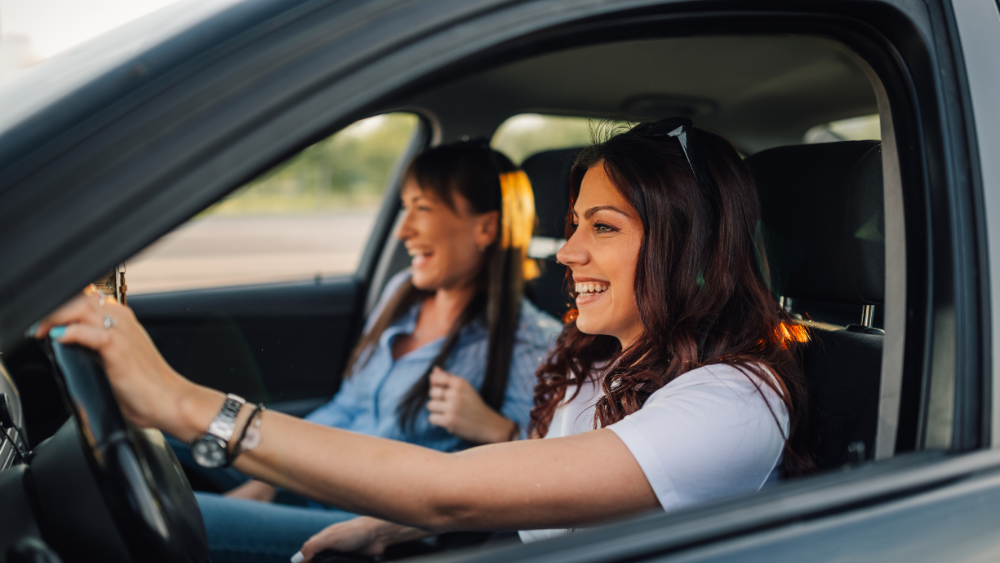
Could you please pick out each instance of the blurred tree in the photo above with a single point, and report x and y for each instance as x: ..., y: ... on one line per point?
x: 348, y: 169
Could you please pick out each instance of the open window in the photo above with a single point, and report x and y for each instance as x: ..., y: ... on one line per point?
x: 308, y: 218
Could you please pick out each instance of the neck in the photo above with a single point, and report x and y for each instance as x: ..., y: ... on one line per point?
x: 449, y: 302
x: 629, y: 339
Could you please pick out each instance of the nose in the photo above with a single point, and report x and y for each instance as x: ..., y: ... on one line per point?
x: 573, y: 253
x: 405, y: 229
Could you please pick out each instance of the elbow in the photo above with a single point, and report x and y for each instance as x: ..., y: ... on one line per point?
x: 448, y: 514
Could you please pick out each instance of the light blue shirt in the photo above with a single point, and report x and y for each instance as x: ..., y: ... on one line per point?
x: 368, y: 399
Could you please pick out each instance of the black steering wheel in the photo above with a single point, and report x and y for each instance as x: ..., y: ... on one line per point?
x: 108, y: 491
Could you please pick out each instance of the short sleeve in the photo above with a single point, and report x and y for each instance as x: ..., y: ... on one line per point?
x: 712, y: 432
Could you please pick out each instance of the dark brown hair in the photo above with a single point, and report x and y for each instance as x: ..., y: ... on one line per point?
x: 700, y: 287
x: 489, y: 182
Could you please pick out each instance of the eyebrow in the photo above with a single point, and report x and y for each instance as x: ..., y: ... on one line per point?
x: 590, y: 212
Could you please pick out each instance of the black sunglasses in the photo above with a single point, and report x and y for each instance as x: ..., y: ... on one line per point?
x: 677, y: 128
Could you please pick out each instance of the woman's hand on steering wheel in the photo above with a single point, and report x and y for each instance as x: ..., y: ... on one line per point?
x: 147, y: 388
x: 457, y: 407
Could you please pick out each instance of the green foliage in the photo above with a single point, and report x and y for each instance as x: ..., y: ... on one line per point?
x: 347, y: 169
x: 529, y: 133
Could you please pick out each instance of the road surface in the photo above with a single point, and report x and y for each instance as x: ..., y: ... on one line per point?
x: 223, y: 250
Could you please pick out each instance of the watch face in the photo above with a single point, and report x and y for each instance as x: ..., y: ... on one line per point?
x: 208, y: 452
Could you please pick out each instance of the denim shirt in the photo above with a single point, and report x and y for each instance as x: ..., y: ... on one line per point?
x: 368, y: 399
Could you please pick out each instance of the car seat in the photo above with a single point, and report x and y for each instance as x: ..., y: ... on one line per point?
x: 549, y: 175
x: 823, y: 224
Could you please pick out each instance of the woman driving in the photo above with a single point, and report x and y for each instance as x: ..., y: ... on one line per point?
x: 677, y: 382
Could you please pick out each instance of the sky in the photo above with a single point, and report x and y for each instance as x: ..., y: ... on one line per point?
x: 52, y: 26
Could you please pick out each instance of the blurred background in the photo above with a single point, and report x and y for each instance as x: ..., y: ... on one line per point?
x: 34, y: 30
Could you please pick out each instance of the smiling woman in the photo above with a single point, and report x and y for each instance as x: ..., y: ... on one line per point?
x: 607, y: 235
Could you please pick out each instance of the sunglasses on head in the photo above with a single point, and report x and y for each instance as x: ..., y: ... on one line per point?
x: 678, y: 128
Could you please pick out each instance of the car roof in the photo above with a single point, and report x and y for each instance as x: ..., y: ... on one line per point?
x: 55, y: 94
x: 759, y: 90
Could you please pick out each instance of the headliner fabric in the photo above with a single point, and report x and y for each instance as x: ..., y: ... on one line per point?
x: 824, y: 220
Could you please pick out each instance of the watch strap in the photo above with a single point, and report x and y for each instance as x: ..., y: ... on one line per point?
x: 224, y: 423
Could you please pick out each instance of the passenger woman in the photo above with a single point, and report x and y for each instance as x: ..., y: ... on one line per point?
x: 677, y: 382
x: 447, y: 358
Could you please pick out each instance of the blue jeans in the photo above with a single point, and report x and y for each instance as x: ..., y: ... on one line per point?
x: 247, y: 531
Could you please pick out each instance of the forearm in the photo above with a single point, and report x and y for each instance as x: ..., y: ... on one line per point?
x: 356, y: 473
x: 524, y: 484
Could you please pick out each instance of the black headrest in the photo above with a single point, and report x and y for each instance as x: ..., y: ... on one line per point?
x: 824, y: 220
x: 549, y: 175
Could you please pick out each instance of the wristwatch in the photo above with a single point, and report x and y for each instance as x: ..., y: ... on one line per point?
x: 210, y: 449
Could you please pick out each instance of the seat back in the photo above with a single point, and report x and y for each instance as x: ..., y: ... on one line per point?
x: 823, y: 224
x: 549, y: 175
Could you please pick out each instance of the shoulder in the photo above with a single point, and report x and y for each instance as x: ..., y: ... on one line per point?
x: 717, y: 396
x: 721, y: 379
x: 713, y: 431
x: 391, y: 287
x: 536, y: 325
x: 394, y: 283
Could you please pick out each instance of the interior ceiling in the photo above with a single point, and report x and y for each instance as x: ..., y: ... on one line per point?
x: 760, y: 91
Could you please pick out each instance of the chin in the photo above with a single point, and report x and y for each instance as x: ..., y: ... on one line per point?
x: 587, y: 325
x: 422, y: 281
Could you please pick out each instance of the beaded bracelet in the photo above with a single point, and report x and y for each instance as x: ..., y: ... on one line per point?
x: 250, y: 437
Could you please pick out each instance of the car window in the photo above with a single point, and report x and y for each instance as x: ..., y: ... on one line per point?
x: 306, y: 218
x: 526, y: 134
x: 863, y: 128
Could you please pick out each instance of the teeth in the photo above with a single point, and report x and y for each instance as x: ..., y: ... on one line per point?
x: 590, y: 287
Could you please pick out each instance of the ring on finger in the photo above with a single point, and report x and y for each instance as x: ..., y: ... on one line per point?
x: 100, y: 302
x: 109, y: 322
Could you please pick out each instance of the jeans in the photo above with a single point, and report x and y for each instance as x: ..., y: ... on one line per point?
x: 247, y: 531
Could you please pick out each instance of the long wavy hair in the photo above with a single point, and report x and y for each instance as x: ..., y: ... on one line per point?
x: 701, y: 286
x: 489, y: 181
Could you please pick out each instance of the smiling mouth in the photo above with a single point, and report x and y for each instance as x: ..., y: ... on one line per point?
x: 418, y: 257
x: 591, y: 288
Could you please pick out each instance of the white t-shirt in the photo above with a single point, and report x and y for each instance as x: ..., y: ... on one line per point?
x: 707, y: 434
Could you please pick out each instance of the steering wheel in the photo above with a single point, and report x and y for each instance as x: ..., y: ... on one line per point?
x: 109, y: 491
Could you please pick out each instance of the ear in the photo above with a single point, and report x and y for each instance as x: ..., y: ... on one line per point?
x: 487, y: 228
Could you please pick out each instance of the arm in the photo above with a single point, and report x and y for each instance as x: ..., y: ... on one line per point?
x: 566, y: 482
x: 364, y: 535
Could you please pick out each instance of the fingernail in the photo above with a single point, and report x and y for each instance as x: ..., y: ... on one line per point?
x: 298, y: 557
x: 32, y: 330
x: 57, y: 332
